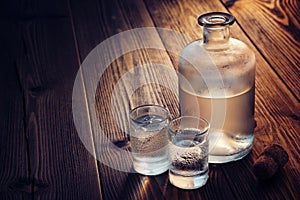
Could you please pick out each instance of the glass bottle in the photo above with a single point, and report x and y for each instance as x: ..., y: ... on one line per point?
x: 217, y: 82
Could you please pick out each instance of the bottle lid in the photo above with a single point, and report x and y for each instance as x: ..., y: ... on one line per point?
x: 216, y: 19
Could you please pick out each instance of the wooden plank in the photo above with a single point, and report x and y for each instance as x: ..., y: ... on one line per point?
x: 90, y: 30
x: 15, y: 182
x: 275, y: 104
x: 61, y: 167
x: 273, y: 27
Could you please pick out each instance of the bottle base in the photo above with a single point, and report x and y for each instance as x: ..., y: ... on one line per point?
x: 225, y: 148
x: 229, y: 158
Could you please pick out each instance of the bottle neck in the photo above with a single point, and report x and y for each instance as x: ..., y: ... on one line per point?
x: 216, y: 37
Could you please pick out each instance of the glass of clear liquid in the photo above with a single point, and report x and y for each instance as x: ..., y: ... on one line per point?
x: 188, y: 152
x: 149, y: 139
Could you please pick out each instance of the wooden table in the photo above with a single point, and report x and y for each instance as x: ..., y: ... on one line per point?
x: 43, y: 44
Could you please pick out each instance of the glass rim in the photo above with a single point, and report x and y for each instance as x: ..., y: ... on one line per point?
x: 148, y: 105
x: 190, y: 117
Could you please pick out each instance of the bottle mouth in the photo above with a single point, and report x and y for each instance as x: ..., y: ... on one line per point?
x: 214, y: 19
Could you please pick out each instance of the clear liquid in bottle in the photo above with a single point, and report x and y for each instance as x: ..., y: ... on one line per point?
x: 216, y: 81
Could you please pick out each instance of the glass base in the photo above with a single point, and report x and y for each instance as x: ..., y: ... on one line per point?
x: 188, y: 182
x: 151, y: 168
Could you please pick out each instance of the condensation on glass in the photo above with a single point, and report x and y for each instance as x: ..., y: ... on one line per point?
x: 217, y: 82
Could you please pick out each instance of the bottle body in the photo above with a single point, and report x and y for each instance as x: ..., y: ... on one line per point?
x: 217, y: 82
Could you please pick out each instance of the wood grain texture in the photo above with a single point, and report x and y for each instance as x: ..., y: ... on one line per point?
x: 112, y: 21
x: 42, y: 45
x: 274, y: 28
x: 275, y: 104
x: 128, y: 12
x: 137, y: 10
x: 15, y: 182
x: 60, y: 166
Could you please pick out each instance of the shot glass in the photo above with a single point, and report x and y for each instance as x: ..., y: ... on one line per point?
x: 149, y: 139
x: 188, y: 152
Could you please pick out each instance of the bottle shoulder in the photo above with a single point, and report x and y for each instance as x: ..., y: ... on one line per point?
x: 236, y: 54
x: 234, y: 46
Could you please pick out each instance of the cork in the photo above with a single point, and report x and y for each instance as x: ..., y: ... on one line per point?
x: 272, y: 159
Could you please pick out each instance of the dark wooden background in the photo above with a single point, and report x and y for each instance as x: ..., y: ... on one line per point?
x: 43, y: 43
